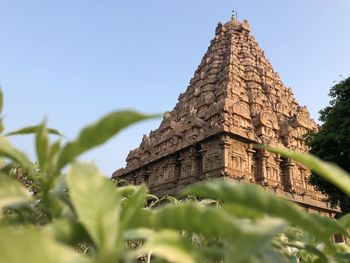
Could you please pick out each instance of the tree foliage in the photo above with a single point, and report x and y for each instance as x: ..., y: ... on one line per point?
x: 332, y: 142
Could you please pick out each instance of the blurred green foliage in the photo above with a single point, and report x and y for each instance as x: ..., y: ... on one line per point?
x: 50, y: 214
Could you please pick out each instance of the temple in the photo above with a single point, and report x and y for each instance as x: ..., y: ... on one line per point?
x: 235, y: 99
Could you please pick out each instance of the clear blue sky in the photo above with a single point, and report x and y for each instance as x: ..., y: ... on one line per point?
x: 74, y: 61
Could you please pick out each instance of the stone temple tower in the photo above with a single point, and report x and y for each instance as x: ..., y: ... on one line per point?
x: 235, y: 99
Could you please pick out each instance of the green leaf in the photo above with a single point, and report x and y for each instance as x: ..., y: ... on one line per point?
x: 345, y: 221
x: 138, y: 233
x: 189, y: 217
x: 6, y: 168
x: 326, y: 170
x: 255, y: 197
x: 1, y: 125
x: 8, y: 151
x: 242, y: 211
x: 260, y: 236
x: 270, y: 254
x: 98, y: 133
x: 134, y: 198
x: 42, y: 145
x: 176, y: 216
x: 330, y: 226
x: 96, y: 203
x: 309, y: 248
x: 31, y: 246
x: 53, y: 156
x: 67, y: 231
x: 32, y: 130
x: 246, y: 237
x: 12, y: 193
x: 168, y: 245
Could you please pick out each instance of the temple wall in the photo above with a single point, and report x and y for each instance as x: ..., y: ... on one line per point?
x: 200, y: 161
x: 227, y: 155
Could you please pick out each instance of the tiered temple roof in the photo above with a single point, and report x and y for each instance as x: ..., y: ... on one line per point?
x: 234, y: 99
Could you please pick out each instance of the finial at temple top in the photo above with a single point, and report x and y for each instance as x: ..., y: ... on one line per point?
x: 234, y: 14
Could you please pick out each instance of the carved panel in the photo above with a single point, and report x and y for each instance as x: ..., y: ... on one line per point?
x: 212, y: 156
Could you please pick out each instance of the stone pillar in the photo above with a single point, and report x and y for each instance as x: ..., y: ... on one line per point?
x: 202, y: 153
x: 278, y: 160
x: 288, y: 167
x: 171, y: 170
x: 250, y: 154
x: 194, y: 162
x: 263, y: 171
x: 178, y: 168
x: 225, y: 147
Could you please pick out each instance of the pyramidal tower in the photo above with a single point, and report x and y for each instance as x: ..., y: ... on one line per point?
x: 235, y: 99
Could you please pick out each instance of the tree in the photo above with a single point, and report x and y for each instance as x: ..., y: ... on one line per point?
x: 332, y: 142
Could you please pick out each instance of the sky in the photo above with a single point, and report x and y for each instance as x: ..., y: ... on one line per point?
x: 75, y: 61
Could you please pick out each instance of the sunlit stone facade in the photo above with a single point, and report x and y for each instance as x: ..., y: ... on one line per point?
x: 235, y: 99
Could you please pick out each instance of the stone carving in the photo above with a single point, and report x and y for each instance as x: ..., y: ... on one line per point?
x: 235, y: 99
x: 302, y: 118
